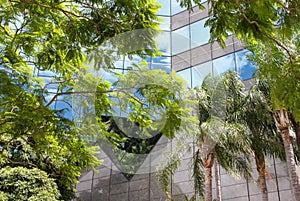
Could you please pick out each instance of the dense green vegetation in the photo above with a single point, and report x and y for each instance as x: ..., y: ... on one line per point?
x: 41, y: 145
x: 57, y: 37
x: 270, y: 30
x: 21, y: 183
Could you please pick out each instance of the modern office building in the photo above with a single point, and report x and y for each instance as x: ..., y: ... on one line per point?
x: 186, y: 50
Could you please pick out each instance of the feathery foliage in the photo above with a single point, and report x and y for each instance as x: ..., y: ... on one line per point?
x: 21, y: 183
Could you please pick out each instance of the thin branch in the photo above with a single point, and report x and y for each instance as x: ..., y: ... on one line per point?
x: 5, y: 31
x: 4, y: 122
x: 285, y: 7
x: 20, y: 163
x: 51, y: 83
x: 26, y: 140
x: 5, y: 146
x: 264, y: 33
x: 67, y: 102
x: 84, y: 92
x: 65, y: 12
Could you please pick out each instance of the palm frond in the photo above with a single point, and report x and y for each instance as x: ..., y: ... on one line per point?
x: 199, y: 177
x: 165, y: 173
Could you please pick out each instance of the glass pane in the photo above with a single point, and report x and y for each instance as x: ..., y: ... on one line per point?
x: 164, y: 67
x: 176, y: 8
x: 162, y: 60
x: 110, y: 76
x: 199, y: 34
x: 186, y: 74
x: 129, y: 62
x: 163, y: 63
x: 244, y: 66
x: 165, y: 7
x: 164, y: 43
x: 64, y: 104
x: 46, y: 73
x: 119, y: 63
x: 165, y: 24
x: 223, y: 64
x: 180, y: 40
x: 199, y: 72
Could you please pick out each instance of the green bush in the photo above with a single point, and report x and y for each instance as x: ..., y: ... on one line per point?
x: 20, y: 183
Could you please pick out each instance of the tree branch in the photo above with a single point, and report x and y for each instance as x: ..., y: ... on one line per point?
x: 85, y: 92
x: 264, y: 33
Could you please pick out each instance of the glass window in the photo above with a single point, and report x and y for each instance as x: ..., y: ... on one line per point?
x: 165, y: 24
x: 119, y: 63
x: 51, y: 89
x: 199, y: 72
x: 46, y: 73
x: 129, y: 62
x: 199, y: 34
x: 223, y: 64
x: 165, y: 7
x: 163, y: 63
x: 176, y: 8
x: 110, y: 76
x: 186, y: 74
x: 164, y: 43
x: 164, y: 67
x: 180, y: 40
x: 64, y: 103
x: 162, y: 59
x: 244, y: 66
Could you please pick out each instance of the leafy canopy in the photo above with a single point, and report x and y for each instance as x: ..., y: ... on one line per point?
x: 56, y: 36
x: 145, y: 104
x: 21, y: 183
x: 270, y: 29
x: 34, y: 136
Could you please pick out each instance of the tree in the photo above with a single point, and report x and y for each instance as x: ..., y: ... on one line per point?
x: 276, y: 68
x: 218, y: 182
x: 21, y: 183
x: 34, y: 136
x: 266, y: 139
x: 270, y: 30
x: 57, y: 36
x: 222, y: 137
x: 148, y: 104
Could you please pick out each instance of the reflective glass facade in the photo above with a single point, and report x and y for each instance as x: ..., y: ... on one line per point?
x: 186, y: 50
x: 193, y: 57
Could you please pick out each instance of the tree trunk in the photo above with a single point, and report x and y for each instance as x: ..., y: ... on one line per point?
x: 261, y: 169
x: 208, y: 184
x: 283, y: 123
x: 218, y: 181
x: 296, y: 126
x: 208, y: 163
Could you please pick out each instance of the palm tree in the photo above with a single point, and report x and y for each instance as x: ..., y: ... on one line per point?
x: 221, y: 138
x: 264, y: 135
x: 296, y: 128
x: 283, y: 123
x: 218, y: 181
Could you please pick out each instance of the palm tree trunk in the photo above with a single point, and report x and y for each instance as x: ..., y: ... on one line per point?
x: 208, y: 184
x: 296, y: 126
x: 208, y: 163
x: 283, y: 122
x: 261, y: 169
x: 218, y: 181
x: 297, y: 131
